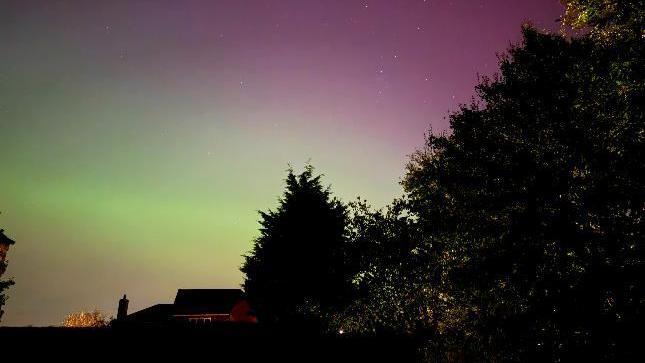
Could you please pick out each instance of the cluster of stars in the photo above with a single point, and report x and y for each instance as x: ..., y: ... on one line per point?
x: 383, y: 78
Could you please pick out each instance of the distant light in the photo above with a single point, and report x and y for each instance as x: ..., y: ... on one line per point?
x: 341, y: 331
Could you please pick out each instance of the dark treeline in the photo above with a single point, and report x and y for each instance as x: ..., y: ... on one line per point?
x: 519, y: 233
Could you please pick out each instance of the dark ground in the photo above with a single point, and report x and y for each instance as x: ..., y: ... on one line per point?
x: 224, y: 343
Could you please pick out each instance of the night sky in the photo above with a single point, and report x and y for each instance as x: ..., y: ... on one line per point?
x: 138, y: 139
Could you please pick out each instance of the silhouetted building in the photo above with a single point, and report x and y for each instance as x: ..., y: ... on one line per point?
x: 195, y: 306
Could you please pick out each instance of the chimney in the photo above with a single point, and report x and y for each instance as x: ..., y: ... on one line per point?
x: 122, y: 312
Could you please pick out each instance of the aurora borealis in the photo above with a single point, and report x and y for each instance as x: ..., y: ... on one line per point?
x: 138, y: 139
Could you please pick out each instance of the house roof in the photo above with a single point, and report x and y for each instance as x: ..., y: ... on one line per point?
x: 206, y: 301
x: 154, y: 313
x: 4, y: 240
x: 191, y: 302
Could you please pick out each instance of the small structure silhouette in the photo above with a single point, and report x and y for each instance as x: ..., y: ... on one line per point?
x: 195, y: 307
x: 122, y: 311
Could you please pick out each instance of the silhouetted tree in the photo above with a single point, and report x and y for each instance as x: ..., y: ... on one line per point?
x: 4, y: 284
x: 399, y: 284
x: 382, y: 257
x: 531, y: 210
x: 296, y: 269
x: 5, y: 243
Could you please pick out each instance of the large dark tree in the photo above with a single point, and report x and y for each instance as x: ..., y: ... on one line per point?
x: 520, y: 233
x: 533, y: 206
x: 296, y: 269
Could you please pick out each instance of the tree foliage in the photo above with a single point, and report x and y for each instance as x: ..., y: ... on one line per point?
x: 4, y: 284
x: 382, y: 256
x: 607, y: 19
x: 83, y: 319
x: 520, y: 233
x: 296, y: 268
x: 534, y: 203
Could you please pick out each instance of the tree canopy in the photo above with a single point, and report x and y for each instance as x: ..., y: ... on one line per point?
x: 535, y: 201
x: 296, y: 267
x: 519, y: 233
x: 607, y: 19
